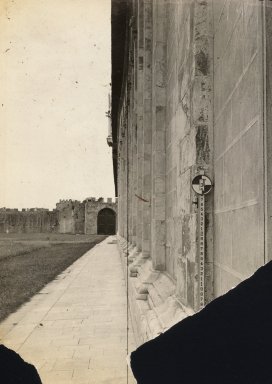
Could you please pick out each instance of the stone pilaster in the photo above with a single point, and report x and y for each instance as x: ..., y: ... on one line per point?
x: 123, y: 172
x: 140, y: 58
x: 133, y: 147
x: 130, y: 161
x: 120, y: 222
x: 134, y: 151
x: 158, y: 136
x: 147, y: 129
x: 121, y: 191
x: 267, y: 106
x: 132, y: 130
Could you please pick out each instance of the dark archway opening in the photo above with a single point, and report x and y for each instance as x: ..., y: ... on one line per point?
x: 106, y: 222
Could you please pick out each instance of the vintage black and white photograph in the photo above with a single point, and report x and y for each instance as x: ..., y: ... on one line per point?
x: 136, y: 191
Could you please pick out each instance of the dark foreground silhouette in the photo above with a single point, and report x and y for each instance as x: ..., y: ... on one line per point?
x: 228, y: 342
x: 14, y: 370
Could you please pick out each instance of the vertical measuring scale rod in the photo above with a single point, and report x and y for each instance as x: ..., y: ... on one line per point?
x: 201, y: 249
x: 202, y: 185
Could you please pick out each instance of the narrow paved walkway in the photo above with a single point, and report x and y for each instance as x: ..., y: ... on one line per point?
x: 74, y: 330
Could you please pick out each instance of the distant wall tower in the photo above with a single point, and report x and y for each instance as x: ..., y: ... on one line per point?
x: 71, y: 216
x: 100, y: 216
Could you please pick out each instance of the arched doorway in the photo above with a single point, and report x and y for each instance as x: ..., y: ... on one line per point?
x: 106, y: 222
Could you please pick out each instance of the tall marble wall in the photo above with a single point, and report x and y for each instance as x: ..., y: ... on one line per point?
x: 238, y: 142
x: 192, y: 102
x: 164, y: 125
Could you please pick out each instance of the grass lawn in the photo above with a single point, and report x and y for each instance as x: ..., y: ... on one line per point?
x: 29, y: 261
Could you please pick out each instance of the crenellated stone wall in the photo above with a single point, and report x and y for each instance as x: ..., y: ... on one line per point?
x: 31, y: 220
x: 70, y: 216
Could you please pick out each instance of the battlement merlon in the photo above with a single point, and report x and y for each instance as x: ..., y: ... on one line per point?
x: 62, y: 204
x: 68, y: 201
x: 108, y: 200
x: 23, y: 210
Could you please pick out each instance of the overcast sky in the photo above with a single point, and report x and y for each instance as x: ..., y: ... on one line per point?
x: 54, y: 85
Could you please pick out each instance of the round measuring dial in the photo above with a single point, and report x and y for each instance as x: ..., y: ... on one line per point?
x: 201, y: 184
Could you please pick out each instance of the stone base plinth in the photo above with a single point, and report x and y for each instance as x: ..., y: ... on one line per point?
x: 153, y: 304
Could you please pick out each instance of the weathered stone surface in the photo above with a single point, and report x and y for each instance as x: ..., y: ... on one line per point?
x: 193, y: 103
x: 238, y: 222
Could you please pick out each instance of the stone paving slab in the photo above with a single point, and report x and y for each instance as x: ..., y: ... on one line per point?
x: 74, y: 329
